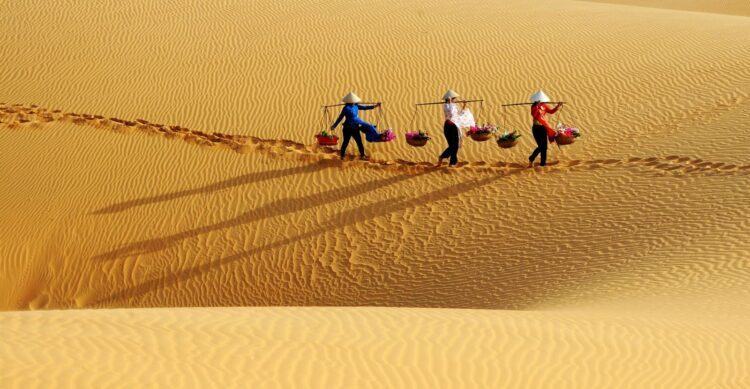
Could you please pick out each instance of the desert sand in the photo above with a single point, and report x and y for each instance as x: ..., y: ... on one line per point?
x: 160, y: 155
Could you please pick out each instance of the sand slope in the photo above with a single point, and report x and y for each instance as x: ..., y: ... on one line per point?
x: 368, y: 348
x: 159, y: 154
x: 162, y: 221
x: 264, y: 69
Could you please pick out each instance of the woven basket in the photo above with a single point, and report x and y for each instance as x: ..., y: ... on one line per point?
x: 481, y: 137
x: 420, y: 142
x: 564, y: 139
x: 506, y: 144
x: 327, y: 140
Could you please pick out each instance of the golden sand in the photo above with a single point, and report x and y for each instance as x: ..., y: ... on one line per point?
x: 368, y: 348
x: 160, y: 154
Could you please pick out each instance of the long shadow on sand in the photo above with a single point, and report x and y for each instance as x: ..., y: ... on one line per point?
x: 389, y: 206
x: 336, y: 222
x: 276, y: 208
x: 236, y: 181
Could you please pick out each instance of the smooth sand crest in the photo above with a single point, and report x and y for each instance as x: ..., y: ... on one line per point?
x: 729, y: 7
x: 160, y: 154
x: 367, y: 348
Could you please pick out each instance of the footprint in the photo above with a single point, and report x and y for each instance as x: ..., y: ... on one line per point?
x: 41, y: 301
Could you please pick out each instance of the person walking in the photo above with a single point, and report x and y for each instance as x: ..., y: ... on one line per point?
x: 450, y: 128
x: 352, y: 124
x: 540, y: 128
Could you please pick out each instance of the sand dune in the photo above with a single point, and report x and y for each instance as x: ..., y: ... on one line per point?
x: 161, y: 154
x: 246, y: 74
x: 203, y: 218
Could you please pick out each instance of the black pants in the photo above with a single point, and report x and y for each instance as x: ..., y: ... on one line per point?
x: 540, y: 136
x: 352, y: 132
x: 451, y: 135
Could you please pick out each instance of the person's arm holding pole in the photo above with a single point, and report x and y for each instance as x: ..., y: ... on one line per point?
x: 367, y: 107
x: 338, y: 120
x: 553, y: 110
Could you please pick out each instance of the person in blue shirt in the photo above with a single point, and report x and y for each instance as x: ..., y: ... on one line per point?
x: 353, y: 124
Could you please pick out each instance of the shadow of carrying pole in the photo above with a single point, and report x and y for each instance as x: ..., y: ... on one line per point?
x: 276, y: 208
x: 251, y: 178
x: 336, y: 222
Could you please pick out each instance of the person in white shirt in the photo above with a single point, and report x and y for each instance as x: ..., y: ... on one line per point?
x: 450, y: 128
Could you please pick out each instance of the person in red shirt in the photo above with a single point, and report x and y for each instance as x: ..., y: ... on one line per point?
x: 540, y: 128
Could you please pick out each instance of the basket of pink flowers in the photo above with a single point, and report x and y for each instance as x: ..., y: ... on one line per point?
x: 387, y: 135
x: 417, y: 138
x: 481, y: 133
x: 566, y: 135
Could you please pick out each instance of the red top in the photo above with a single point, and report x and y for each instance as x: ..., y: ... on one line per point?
x: 538, y: 111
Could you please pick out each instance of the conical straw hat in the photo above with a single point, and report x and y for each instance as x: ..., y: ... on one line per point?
x: 540, y: 96
x: 450, y: 94
x: 351, y: 98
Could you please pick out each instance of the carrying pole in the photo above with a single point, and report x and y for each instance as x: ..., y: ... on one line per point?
x: 442, y: 102
x: 340, y: 104
x: 549, y: 102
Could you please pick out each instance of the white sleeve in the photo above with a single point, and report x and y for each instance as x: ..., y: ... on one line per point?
x: 448, y: 111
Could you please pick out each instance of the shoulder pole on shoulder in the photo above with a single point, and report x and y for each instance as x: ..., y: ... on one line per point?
x: 361, y: 102
x: 443, y: 102
x: 549, y: 102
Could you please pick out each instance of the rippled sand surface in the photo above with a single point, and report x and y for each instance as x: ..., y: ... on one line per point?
x: 160, y: 154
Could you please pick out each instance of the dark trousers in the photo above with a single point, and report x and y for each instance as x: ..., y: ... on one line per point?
x: 540, y: 136
x: 352, y: 132
x: 451, y: 135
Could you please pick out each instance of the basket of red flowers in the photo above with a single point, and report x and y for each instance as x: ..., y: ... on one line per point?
x: 326, y: 138
x: 566, y: 135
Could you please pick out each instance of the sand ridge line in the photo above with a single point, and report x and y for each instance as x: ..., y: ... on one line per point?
x: 18, y: 115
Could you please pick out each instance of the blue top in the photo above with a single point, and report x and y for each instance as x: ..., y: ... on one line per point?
x: 351, y: 113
